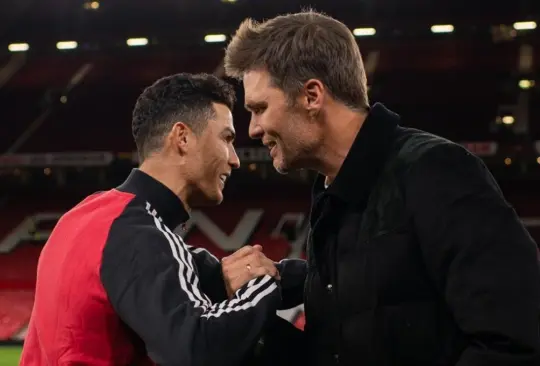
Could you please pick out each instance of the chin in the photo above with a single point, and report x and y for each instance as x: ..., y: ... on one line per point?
x: 219, y: 199
x: 281, y: 167
x: 209, y: 199
x: 216, y: 197
x: 281, y: 170
x: 214, y: 200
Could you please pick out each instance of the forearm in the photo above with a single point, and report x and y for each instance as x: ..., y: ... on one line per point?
x: 179, y: 331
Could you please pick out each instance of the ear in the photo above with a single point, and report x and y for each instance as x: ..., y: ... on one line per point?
x: 314, y: 94
x: 180, y: 137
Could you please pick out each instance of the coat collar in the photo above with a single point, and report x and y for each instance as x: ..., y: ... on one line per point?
x: 167, y: 204
x: 365, y: 159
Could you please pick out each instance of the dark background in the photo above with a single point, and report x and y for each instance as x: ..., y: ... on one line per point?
x: 65, y: 114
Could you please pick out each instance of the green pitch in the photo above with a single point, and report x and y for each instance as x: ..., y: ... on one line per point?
x: 9, y: 355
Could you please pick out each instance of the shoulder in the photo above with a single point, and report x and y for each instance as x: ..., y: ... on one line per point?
x: 421, y: 157
x: 139, y: 237
x: 414, y: 145
x: 432, y: 164
x: 420, y: 152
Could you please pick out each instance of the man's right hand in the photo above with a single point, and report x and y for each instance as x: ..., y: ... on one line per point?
x: 245, y: 264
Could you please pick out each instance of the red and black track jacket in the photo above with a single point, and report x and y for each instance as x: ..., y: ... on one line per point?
x: 116, y: 286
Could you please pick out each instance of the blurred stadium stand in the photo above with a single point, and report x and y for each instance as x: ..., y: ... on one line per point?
x: 65, y: 113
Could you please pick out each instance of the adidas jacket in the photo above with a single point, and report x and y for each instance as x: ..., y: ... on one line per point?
x: 116, y: 286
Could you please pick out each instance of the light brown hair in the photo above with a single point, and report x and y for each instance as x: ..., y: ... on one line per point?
x: 294, y: 48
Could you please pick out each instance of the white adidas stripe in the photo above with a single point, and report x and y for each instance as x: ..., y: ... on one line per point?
x: 188, y: 259
x: 241, y: 291
x: 245, y: 305
x: 225, y: 304
x: 242, y: 297
x: 192, y: 291
x: 231, y: 303
x: 190, y: 284
x: 242, y: 302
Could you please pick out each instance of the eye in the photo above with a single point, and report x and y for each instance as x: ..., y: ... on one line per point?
x: 258, y: 111
x: 229, y: 138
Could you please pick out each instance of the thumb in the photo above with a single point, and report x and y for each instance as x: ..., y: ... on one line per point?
x: 258, y: 247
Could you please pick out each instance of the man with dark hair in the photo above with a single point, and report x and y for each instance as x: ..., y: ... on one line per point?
x: 190, y: 97
x: 415, y: 258
x: 117, y: 286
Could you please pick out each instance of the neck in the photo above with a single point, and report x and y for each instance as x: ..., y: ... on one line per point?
x: 158, y: 168
x: 339, y: 134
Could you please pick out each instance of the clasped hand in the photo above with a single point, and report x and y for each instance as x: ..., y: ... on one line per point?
x: 245, y: 264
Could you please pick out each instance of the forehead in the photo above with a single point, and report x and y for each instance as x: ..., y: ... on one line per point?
x: 258, y: 87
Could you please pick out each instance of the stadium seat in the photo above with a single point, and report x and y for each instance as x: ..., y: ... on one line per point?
x: 15, y: 311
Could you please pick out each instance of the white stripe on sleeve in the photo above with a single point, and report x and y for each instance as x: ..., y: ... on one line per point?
x: 247, y: 297
x: 186, y: 285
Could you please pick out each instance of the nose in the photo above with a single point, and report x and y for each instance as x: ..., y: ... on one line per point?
x: 255, y: 130
x: 234, y: 161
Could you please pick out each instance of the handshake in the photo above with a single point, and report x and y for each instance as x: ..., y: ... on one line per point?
x: 245, y: 264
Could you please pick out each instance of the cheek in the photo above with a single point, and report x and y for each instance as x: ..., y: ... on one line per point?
x: 274, y: 123
x: 195, y: 167
x: 216, y: 155
x: 221, y: 151
x: 291, y: 128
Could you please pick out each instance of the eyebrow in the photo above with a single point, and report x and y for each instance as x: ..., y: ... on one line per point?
x: 254, y: 105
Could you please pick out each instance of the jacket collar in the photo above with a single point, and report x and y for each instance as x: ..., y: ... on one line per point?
x: 365, y: 159
x: 168, y: 205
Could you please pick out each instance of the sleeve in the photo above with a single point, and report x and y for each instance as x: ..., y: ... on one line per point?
x: 210, y: 274
x: 283, y: 344
x: 293, y: 274
x: 153, y: 285
x: 479, y: 255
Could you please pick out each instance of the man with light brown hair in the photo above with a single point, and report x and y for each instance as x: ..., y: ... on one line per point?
x: 298, y: 54
x: 414, y: 256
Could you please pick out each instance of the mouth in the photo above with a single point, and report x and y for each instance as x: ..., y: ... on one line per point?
x: 223, y: 178
x: 271, y: 145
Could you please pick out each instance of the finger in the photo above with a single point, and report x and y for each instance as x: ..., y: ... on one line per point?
x: 271, y: 269
x: 271, y: 266
x: 253, y: 259
x: 268, y: 266
x: 238, y: 268
x: 241, y: 279
x: 258, y: 259
x: 238, y: 265
x: 258, y: 272
x: 240, y: 253
x: 243, y: 256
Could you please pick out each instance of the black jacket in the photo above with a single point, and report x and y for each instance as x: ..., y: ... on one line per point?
x: 116, y: 286
x: 416, y: 259
x: 171, y: 296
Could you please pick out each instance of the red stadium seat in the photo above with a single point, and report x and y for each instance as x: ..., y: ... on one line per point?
x: 15, y: 311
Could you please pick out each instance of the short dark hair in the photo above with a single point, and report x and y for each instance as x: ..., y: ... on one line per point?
x: 294, y: 48
x: 181, y: 97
